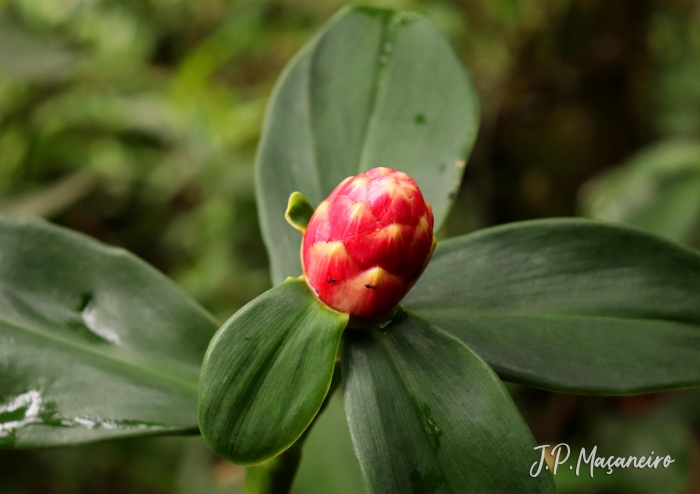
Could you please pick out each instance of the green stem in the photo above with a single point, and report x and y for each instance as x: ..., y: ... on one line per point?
x: 276, y: 476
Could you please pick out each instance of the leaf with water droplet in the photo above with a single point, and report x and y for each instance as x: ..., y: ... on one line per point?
x: 94, y: 343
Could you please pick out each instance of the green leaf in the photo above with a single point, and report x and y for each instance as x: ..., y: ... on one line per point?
x: 658, y: 190
x: 375, y: 88
x: 299, y: 211
x: 94, y: 343
x: 267, y: 372
x: 427, y: 415
x: 570, y: 305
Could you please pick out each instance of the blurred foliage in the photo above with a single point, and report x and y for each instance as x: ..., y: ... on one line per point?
x: 137, y: 121
x: 657, y: 190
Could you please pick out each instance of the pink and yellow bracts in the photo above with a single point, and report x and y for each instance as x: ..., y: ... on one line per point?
x: 366, y: 245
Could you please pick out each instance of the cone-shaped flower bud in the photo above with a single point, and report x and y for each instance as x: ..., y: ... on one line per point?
x: 367, y: 244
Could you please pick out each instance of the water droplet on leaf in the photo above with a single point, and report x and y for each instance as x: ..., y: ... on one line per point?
x: 94, y: 323
x: 17, y: 412
x: 430, y: 427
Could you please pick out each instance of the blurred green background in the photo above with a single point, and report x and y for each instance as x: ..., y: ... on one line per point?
x: 136, y: 122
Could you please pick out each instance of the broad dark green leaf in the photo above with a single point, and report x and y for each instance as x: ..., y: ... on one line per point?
x: 427, y: 415
x: 658, y: 190
x: 267, y: 372
x: 570, y: 305
x: 375, y: 88
x: 94, y: 343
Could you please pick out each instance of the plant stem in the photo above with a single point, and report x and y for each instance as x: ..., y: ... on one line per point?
x: 276, y: 476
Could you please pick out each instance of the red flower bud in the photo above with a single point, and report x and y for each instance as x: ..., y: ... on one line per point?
x: 367, y: 244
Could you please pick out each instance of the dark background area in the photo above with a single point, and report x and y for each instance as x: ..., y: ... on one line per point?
x: 136, y: 122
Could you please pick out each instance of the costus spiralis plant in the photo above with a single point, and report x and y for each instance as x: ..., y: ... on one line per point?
x: 363, y: 148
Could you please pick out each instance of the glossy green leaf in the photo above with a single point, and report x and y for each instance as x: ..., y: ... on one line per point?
x: 427, y: 415
x: 94, y: 343
x: 375, y: 88
x: 267, y: 372
x: 658, y: 190
x: 570, y: 305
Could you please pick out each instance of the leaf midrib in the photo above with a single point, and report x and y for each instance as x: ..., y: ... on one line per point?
x: 131, y: 366
x: 380, y: 71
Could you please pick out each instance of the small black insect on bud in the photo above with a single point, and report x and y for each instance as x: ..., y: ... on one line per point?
x: 330, y: 280
x: 372, y: 287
